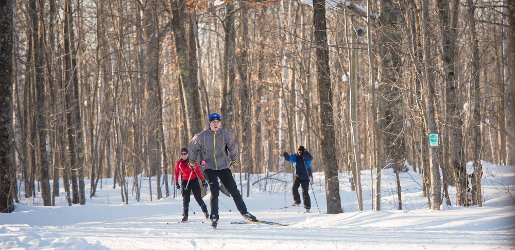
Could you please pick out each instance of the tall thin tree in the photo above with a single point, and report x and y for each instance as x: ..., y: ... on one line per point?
x: 325, y: 92
x: 434, y: 161
x: 391, y: 104
x: 7, y: 171
x: 453, y: 101
x: 38, y: 58
x: 476, y: 113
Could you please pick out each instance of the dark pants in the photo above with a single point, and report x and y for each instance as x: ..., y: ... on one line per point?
x: 305, y: 194
x: 194, y: 187
x: 225, y: 176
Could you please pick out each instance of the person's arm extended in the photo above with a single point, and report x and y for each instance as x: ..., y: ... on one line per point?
x: 290, y: 158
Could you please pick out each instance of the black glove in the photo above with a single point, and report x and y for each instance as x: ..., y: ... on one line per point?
x: 204, y: 183
x: 178, y: 186
x: 286, y: 155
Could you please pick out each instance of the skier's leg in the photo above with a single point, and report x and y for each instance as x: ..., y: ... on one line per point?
x: 228, y: 181
x: 185, y: 196
x: 195, y: 188
x: 305, y: 194
x: 295, y: 190
x: 185, y: 202
x: 215, y: 190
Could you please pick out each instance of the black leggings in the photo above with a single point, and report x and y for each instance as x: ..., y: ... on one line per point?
x: 194, y: 187
x: 305, y: 194
x: 227, y: 180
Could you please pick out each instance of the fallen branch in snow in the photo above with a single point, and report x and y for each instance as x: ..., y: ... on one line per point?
x: 269, y: 178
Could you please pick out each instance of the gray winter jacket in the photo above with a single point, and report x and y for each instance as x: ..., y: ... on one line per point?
x: 217, y: 149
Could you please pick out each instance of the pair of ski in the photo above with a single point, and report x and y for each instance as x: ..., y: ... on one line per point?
x: 259, y: 222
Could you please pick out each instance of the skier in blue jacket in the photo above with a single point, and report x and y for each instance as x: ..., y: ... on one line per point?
x: 303, y: 175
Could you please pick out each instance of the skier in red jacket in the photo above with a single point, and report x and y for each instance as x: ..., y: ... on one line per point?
x: 189, y: 183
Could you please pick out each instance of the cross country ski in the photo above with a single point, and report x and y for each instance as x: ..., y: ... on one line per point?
x: 261, y: 222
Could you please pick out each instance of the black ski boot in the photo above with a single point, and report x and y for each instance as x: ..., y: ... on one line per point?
x: 214, y: 220
x: 204, y: 210
x: 249, y: 217
x: 185, y: 215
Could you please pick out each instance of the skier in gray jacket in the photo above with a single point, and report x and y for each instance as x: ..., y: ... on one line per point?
x: 216, y: 150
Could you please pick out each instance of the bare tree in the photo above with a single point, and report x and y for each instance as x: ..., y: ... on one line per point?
x: 391, y: 105
x: 38, y: 45
x: 511, y: 13
x: 454, y: 122
x: 476, y: 114
x: 73, y: 115
x: 434, y: 160
x: 229, y: 74
x: 246, y: 118
x: 186, y: 55
x: 7, y: 171
x: 326, y: 109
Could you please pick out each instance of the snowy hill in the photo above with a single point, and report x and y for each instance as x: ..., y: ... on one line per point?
x: 106, y: 223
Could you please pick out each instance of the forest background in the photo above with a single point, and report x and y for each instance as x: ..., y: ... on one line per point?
x: 113, y: 89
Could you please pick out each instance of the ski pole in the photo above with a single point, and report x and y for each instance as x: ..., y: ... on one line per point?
x: 224, y: 205
x: 187, y: 183
x: 313, y: 191
x: 311, y: 184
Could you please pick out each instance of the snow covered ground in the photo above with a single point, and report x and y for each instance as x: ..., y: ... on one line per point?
x: 106, y: 223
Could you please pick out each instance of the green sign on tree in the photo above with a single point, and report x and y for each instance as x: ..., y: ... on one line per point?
x: 433, y: 140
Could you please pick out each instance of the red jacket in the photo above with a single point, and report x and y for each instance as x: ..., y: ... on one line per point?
x: 185, y: 171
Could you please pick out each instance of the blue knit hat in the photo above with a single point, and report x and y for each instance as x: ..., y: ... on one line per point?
x: 214, y: 116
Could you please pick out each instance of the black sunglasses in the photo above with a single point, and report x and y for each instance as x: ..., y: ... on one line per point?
x: 184, y: 153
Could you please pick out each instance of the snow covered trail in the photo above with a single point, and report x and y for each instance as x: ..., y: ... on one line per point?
x: 106, y: 223
x: 155, y: 226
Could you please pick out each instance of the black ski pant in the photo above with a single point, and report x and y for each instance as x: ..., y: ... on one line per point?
x: 305, y: 194
x: 187, y: 189
x: 225, y: 176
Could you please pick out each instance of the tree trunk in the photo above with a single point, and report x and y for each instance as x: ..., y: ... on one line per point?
x: 7, y: 171
x: 326, y: 109
x: 229, y: 75
x: 434, y: 161
x: 476, y: 114
x: 354, y: 118
x: 181, y: 25
x: 246, y: 117
x: 391, y: 104
x: 454, y: 122
x: 73, y: 114
x: 376, y: 129
x: 38, y: 36
x: 511, y: 13
x: 151, y: 66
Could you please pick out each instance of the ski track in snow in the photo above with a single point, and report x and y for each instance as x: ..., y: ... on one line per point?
x: 108, y: 224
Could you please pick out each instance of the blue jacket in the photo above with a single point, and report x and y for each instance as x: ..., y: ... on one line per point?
x: 302, y: 164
